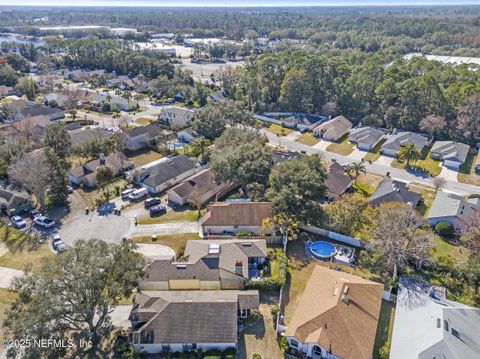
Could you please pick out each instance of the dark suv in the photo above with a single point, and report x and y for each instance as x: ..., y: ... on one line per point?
x: 149, y: 202
x: 157, y: 211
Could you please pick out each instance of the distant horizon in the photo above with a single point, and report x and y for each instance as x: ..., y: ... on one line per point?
x: 235, y: 3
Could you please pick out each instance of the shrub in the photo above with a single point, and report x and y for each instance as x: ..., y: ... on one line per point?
x: 229, y: 353
x: 213, y: 354
x: 284, y: 344
x: 444, y: 229
x: 256, y: 356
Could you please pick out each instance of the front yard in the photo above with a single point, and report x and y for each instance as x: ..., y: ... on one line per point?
x: 308, y: 139
x: 181, y: 214
x: 174, y: 241
x: 341, y: 147
x: 6, y: 299
x: 374, y: 154
x: 279, y: 130
x: 367, y: 183
x: 428, y: 195
x: 143, y: 121
x: 142, y: 157
x: 467, y: 171
x: 426, y: 164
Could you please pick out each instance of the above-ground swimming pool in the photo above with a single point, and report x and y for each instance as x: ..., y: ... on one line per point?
x: 322, y: 250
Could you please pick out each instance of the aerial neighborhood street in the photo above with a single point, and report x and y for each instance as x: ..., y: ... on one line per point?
x: 216, y: 183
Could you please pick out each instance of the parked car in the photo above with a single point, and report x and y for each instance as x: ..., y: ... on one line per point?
x: 138, y: 194
x: 127, y: 193
x: 477, y: 169
x: 157, y: 211
x: 70, y: 189
x: 18, y: 222
x: 57, y: 243
x: 149, y: 202
x: 44, y: 222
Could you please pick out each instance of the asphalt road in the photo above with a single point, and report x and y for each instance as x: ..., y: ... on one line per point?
x: 395, y: 173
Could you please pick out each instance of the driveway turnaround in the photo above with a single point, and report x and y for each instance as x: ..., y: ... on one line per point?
x: 110, y: 228
x: 155, y: 251
x: 7, y: 275
x: 165, y: 228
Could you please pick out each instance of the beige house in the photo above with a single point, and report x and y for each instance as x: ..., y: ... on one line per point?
x: 334, y: 129
x: 234, y: 217
x: 336, y: 317
x: 208, y: 265
x: 176, y: 117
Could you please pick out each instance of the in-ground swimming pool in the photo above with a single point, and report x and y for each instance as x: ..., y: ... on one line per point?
x: 175, y: 145
x: 322, y: 249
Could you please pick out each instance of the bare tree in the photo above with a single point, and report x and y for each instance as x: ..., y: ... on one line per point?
x: 433, y: 124
x: 32, y: 171
x: 401, y: 238
x: 438, y: 183
x: 471, y: 232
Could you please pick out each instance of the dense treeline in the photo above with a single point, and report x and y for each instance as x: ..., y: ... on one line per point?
x: 415, y: 95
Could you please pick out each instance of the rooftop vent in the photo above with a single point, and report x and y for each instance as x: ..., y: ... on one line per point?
x: 247, y: 244
x: 345, y: 299
x: 214, y: 249
x: 181, y: 266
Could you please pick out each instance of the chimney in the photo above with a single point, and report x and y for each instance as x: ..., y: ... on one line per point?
x: 102, y: 159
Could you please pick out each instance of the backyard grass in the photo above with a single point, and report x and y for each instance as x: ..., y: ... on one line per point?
x: 384, y: 327
x: 279, y: 130
x: 442, y: 247
x: 174, y: 241
x: 6, y: 299
x: 428, y: 195
x: 177, y: 215
x: 341, y: 147
x: 467, y: 170
x: 374, y: 154
x: 143, y: 121
x: 308, y: 139
x: 427, y: 164
x: 142, y: 157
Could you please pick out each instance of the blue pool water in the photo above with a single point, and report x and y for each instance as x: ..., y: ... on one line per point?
x: 175, y: 145
x: 322, y: 249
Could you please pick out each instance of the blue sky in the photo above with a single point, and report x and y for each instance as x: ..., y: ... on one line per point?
x: 232, y: 3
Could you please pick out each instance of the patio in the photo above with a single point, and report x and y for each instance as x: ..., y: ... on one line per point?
x: 344, y: 254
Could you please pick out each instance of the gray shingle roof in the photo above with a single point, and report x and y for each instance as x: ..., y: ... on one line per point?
x: 336, y: 127
x: 451, y: 205
x: 165, y: 171
x: 394, y: 191
x: 450, y: 150
x: 337, y: 180
x: 396, y: 141
x: 365, y: 135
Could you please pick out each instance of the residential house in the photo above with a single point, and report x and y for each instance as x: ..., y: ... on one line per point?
x: 208, y: 265
x: 7, y: 91
x: 452, y: 208
x: 396, y: 140
x: 453, y: 154
x: 20, y: 110
x: 81, y: 136
x: 365, y: 138
x: 394, y: 191
x: 428, y: 326
x: 235, y: 217
x: 116, y: 103
x: 33, y: 127
x: 279, y: 156
x: 336, y: 317
x: 55, y: 99
x: 198, y: 189
x: 337, y: 181
x: 188, y: 320
x: 187, y: 135
x: 139, y: 137
x: 165, y: 174
x: 87, y: 173
x: 302, y: 121
x: 334, y: 129
x: 176, y: 117
x: 14, y: 200
x: 121, y: 82
x: 217, y: 96
x: 83, y: 75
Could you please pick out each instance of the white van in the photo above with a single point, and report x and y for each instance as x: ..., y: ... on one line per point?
x: 138, y: 194
x: 127, y: 193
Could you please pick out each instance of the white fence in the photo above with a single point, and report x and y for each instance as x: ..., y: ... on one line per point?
x: 267, y: 119
x: 350, y: 241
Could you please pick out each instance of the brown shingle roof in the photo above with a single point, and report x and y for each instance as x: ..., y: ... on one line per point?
x: 336, y: 127
x: 337, y: 181
x: 322, y: 317
x: 237, y: 213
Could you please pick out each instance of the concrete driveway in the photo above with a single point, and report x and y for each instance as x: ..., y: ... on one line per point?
x: 108, y: 227
x: 385, y: 160
x: 7, y: 275
x: 357, y: 155
x: 155, y: 251
x: 292, y: 136
x: 322, y: 145
x: 449, y: 174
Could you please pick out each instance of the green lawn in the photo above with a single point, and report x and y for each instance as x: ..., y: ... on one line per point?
x: 367, y: 183
x: 143, y: 121
x: 342, y: 146
x: 428, y: 196
x: 279, y: 130
x: 174, y: 241
x: 142, y: 157
x: 24, y: 255
x: 6, y: 299
x: 384, y: 327
x: 467, y: 171
x: 178, y: 215
x: 429, y: 165
x: 308, y: 139
x: 442, y: 247
x: 92, y: 195
x: 374, y: 154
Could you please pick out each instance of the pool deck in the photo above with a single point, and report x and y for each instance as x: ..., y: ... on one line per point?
x: 338, y: 257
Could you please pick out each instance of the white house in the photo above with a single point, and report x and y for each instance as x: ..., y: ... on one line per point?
x: 165, y: 174
x: 138, y: 137
x: 334, y: 129
x: 176, y: 117
x: 187, y: 135
x: 453, y: 154
x: 366, y: 138
x: 452, y: 208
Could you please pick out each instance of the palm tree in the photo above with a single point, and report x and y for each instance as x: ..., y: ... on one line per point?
x: 409, y: 153
x: 198, y: 147
x: 356, y: 168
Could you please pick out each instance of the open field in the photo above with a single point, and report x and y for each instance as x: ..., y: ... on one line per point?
x: 467, y: 171
x: 308, y: 139
x: 142, y: 157
x: 341, y: 147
